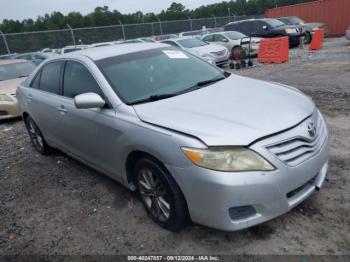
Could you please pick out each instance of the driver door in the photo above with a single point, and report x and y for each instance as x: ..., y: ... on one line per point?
x: 88, y: 134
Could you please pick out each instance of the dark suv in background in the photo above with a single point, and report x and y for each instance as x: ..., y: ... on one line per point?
x: 309, y: 28
x: 267, y: 28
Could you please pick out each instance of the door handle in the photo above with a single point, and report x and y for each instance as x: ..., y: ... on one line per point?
x: 62, y: 109
x: 30, y: 98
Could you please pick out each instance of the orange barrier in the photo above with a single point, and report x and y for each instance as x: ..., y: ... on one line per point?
x: 317, y: 40
x: 273, y: 50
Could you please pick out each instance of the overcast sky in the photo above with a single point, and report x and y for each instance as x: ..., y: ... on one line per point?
x: 20, y: 9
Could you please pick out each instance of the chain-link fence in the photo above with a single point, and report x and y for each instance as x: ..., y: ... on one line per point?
x: 34, y: 41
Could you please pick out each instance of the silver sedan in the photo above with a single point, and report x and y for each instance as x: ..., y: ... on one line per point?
x: 198, y: 144
x: 211, y: 53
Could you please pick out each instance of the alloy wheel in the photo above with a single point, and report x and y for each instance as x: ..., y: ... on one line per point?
x: 35, y: 135
x: 154, y: 195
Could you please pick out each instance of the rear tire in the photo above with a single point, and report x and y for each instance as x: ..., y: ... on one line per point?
x: 160, y: 195
x: 36, y: 136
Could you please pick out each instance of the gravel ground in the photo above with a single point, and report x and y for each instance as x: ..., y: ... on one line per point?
x: 53, y: 205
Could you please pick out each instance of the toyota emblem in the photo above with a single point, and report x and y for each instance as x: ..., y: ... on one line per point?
x: 311, y: 128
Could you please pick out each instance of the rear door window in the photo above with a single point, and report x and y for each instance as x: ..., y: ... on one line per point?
x: 50, y: 77
x: 78, y: 80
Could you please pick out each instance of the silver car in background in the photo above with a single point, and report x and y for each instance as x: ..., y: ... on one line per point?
x: 212, y: 53
x: 198, y: 143
x: 233, y: 41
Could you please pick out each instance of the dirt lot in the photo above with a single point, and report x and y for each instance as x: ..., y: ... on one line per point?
x: 54, y: 205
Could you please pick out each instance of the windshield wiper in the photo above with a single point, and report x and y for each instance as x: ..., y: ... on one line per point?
x: 199, y: 85
x: 210, y: 81
x: 153, y: 98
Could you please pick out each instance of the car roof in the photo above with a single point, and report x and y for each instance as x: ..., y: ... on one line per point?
x: 180, y: 38
x: 251, y: 20
x: 12, y: 61
x: 103, y: 52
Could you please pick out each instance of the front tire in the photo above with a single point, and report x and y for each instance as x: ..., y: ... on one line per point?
x: 36, y: 136
x: 307, y: 38
x: 161, y: 196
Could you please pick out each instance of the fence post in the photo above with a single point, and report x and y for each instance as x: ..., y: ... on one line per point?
x: 214, y: 20
x: 5, y: 41
x: 122, y: 29
x: 152, y: 25
x: 189, y: 18
x: 160, y: 26
x: 72, y: 33
x: 229, y: 14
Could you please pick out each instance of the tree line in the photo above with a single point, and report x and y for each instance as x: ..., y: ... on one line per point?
x: 102, y: 16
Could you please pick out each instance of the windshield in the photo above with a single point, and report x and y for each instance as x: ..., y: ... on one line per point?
x: 147, y: 40
x: 191, y: 42
x: 285, y: 21
x: 12, y: 71
x: 69, y: 50
x: 296, y: 20
x: 155, y: 72
x: 274, y: 22
x: 235, y: 35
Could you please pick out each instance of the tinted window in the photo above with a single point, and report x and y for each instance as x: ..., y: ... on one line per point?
x: 285, y: 21
x: 50, y: 77
x: 36, y: 81
x: 78, y: 80
x: 69, y: 50
x: 258, y: 27
x: 137, y: 76
x: 274, y: 23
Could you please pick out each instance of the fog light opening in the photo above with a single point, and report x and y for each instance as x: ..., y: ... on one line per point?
x: 241, y: 212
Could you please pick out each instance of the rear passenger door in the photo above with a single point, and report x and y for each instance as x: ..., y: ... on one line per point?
x: 43, y: 100
x: 88, y: 134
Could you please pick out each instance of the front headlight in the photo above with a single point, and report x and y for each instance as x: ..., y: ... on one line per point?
x: 228, y: 159
x: 4, y: 97
x: 290, y: 31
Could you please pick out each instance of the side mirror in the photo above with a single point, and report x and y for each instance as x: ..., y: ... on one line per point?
x: 224, y: 40
x: 264, y: 27
x: 88, y: 100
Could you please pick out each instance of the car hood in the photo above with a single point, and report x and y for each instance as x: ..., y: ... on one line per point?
x: 234, y: 111
x: 314, y: 25
x: 207, y: 48
x: 10, y: 86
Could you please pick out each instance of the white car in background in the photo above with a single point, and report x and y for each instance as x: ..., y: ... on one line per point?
x: 233, y: 40
x: 69, y: 49
x: 138, y: 40
x: 214, y: 54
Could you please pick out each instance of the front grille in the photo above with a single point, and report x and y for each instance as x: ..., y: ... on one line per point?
x: 298, y: 149
x: 219, y: 53
x: 3, y: 113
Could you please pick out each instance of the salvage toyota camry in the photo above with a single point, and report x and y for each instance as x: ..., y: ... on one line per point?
x: 198, y: 143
